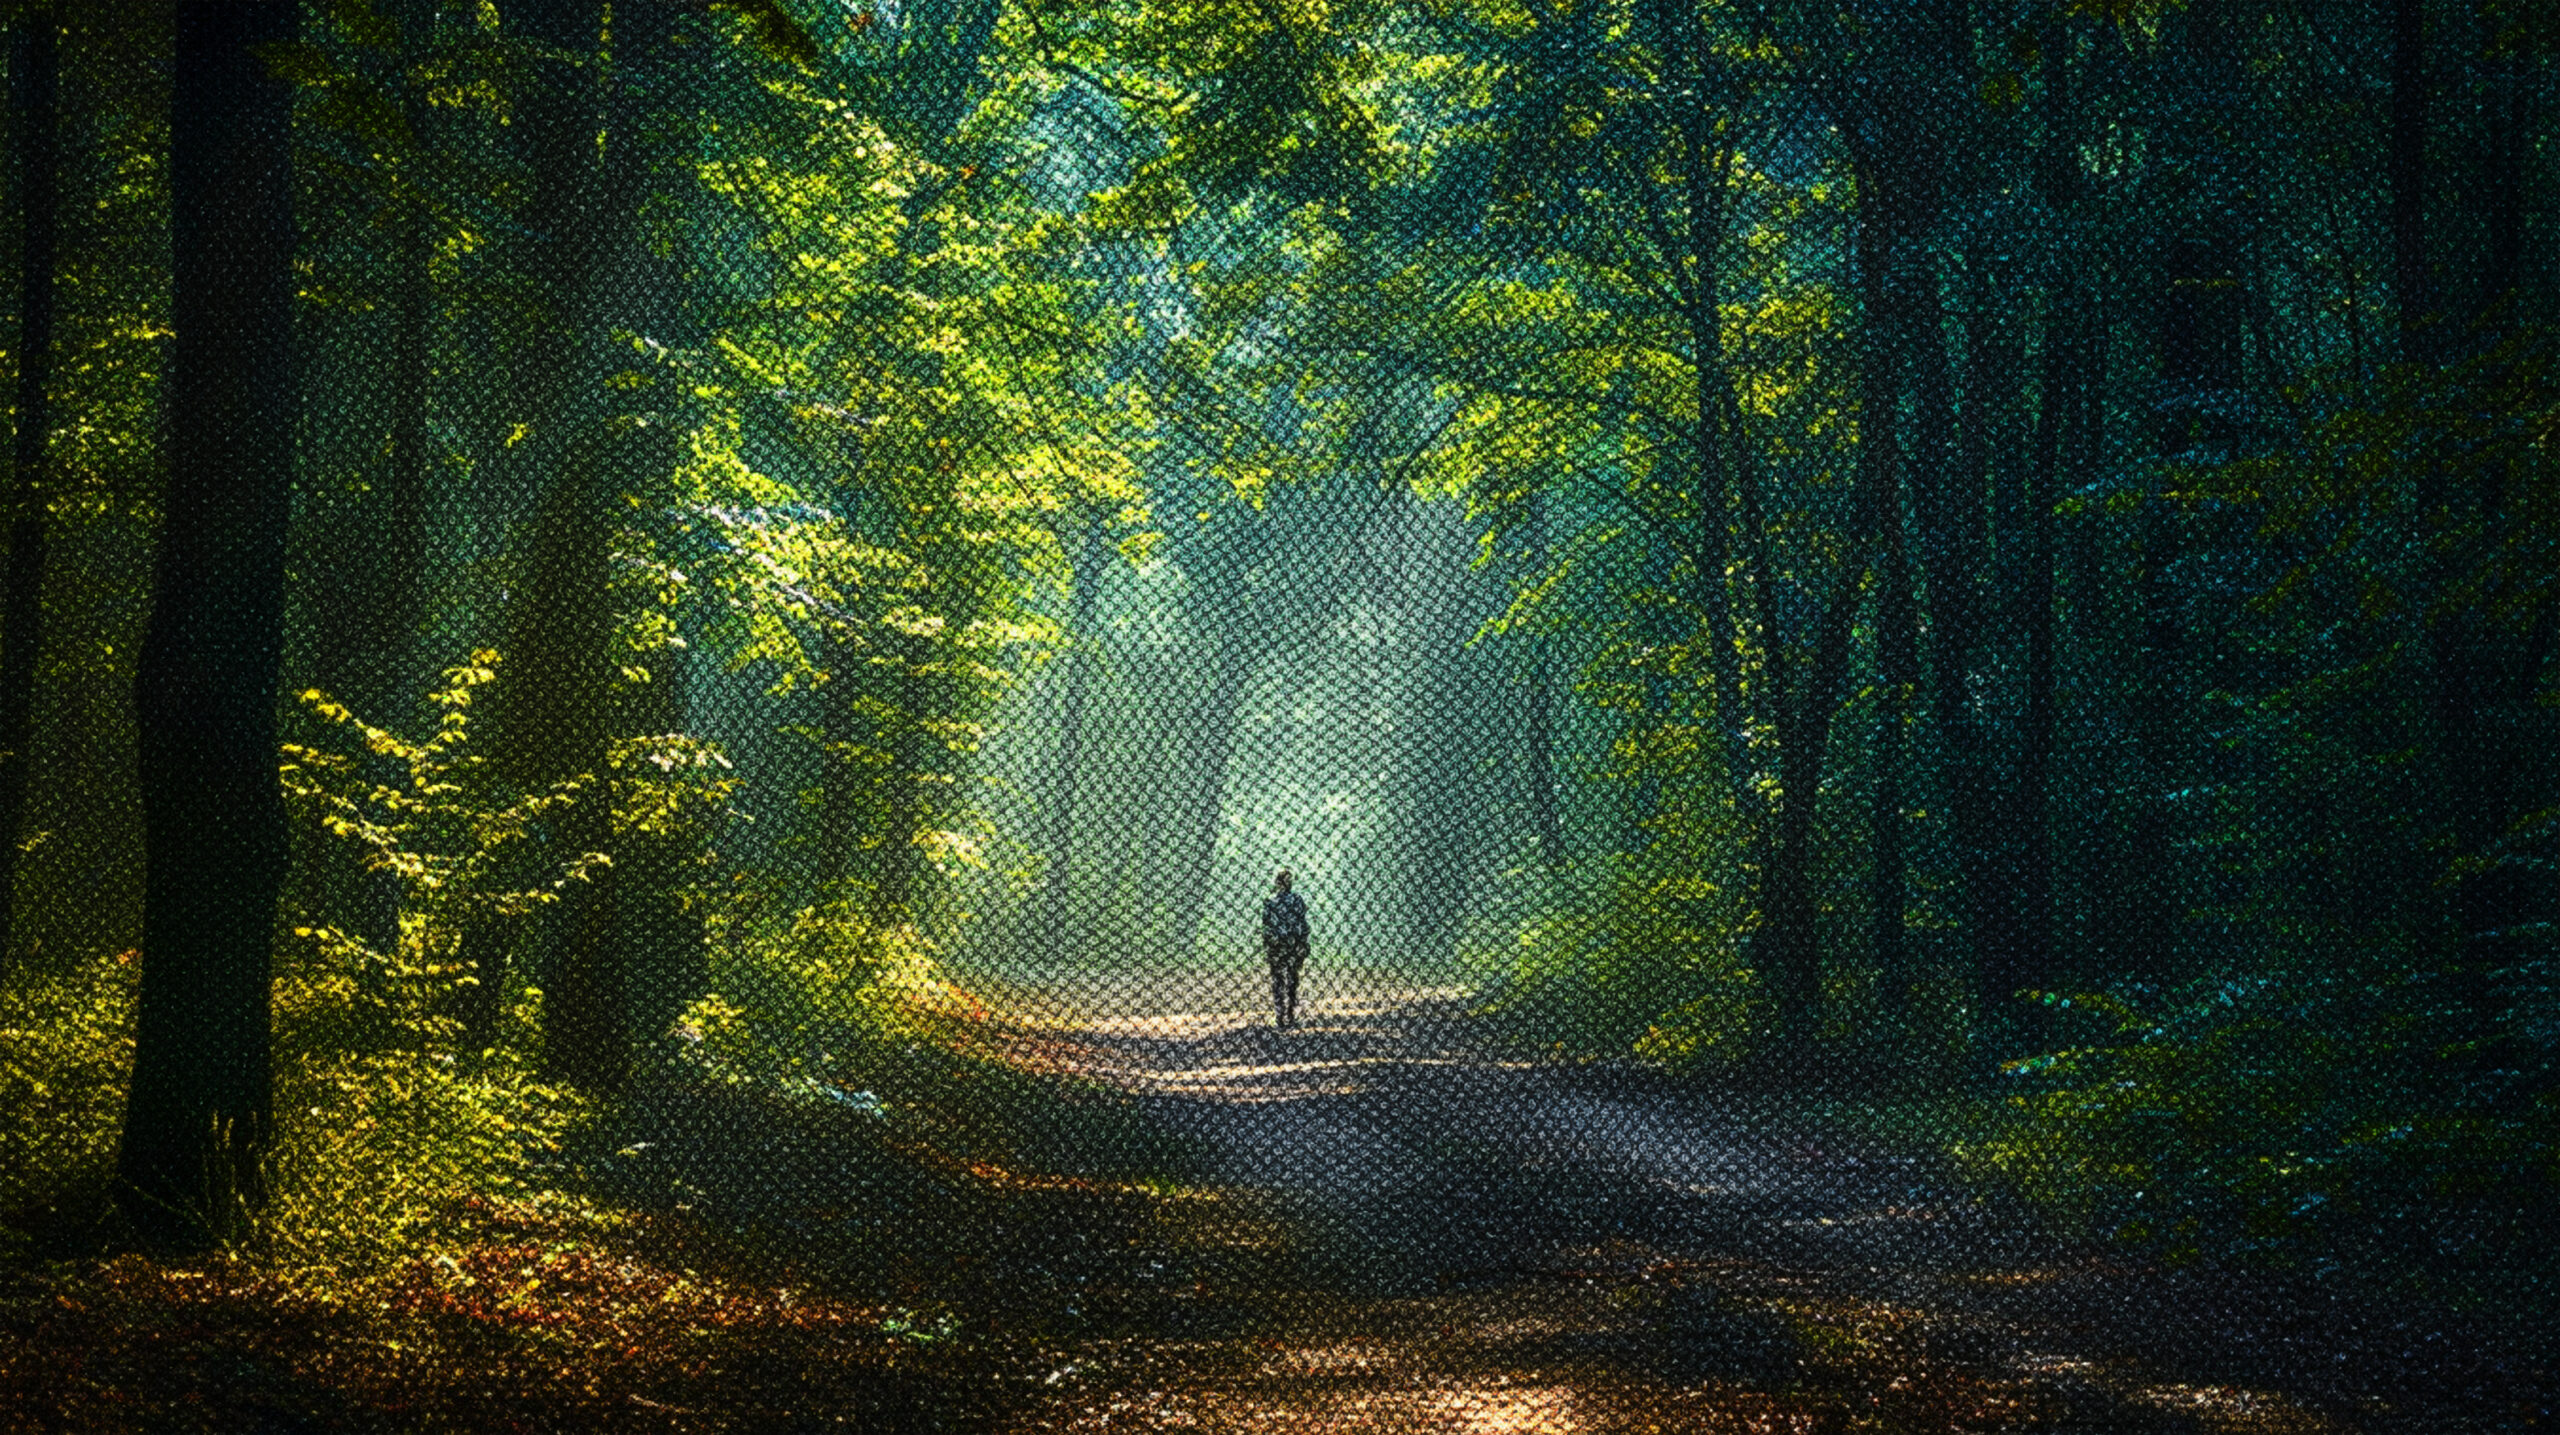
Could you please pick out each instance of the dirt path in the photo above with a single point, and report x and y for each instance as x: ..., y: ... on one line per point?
x: 1411, y: 1232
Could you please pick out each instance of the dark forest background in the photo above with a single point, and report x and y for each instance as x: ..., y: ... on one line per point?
x: 1985, y: 569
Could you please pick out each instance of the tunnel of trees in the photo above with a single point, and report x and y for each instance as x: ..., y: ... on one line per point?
x: 1840, y: 552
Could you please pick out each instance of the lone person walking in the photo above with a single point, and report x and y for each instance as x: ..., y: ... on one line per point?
x: 1284, y: 946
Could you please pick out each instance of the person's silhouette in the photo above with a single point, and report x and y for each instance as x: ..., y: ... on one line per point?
x: 1284, y: 947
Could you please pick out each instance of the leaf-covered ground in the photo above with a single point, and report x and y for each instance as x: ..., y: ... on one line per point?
x: 1474, y: 1242
x: 1170, y: 1217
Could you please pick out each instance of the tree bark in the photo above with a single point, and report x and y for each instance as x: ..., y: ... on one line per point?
x: 595, y: 263
x: 1897, y: 673
x: 2506, y: 163
x: 2025, y: 961
x: 371, y: 628
x: 1954, y: 514
x: 1945, y: 485
x: 1790, y: 933
x: 35, y: 121
x: 214, y: 833
x: 556, y: 708
x: 1215, y: 731
x: 1084, y: 633
x: 1537, y: 755
x: 909, y: 739
x: 2412, y: 286
x: 839, y: 775
x: 1438, y: 728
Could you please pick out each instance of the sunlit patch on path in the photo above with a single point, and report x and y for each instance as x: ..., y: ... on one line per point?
x: 1452, y: 1238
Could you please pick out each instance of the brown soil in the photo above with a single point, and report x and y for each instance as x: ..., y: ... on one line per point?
x: 1404, y: 1229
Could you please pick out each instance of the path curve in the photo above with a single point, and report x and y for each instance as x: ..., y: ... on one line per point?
x: 1481, y: 1242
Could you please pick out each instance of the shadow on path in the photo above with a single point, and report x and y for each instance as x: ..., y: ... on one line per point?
x: 1462, y: 1240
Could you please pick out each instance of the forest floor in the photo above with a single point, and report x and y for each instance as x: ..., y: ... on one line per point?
x: 1406, y: 1229
x: 1139, y: 1208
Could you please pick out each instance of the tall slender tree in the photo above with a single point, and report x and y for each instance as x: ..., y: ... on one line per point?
x: 35, y: 123
x: 199, y: 1111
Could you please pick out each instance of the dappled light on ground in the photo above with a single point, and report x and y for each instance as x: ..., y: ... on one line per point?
x: 1448, y: 1236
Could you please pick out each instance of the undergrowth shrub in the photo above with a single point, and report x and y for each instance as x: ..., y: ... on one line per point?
x: 2319, y: 1120
x: 66, y: 1051
x: 825, y: 992
x: 385, y: 1127
x: 395, y: 1112
x: 1630, y: 954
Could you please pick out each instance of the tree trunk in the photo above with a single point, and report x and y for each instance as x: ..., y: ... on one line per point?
x: 1897, y: 673
x: 2508, y: 144
x: 1537, y: 756
x: 1438, y: 728
x: 2200, y: 320
x: 198, y: 1115
x: 553, y: 715
x: 839, y: 775
x: 1790, y: 936
x: 2025, y: 961
x: 373, y: 627
x: 2412, y: 286
x: 908, y: 740
x: 1215, y: 732
x: 1084, y: 633
x: 1946, y: 487
x: 35, y: 121
x: 1954, y: 517
x: 604, y: 276
x: 1788, y: 949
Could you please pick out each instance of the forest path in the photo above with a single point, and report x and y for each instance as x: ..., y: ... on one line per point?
x: 1413, y: 1231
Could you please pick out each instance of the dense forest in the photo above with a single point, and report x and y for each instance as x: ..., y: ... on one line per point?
x: 1982, y: 573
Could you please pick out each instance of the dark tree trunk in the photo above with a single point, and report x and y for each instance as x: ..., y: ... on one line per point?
x: 1084, y: 632
x: 1215, y: 735
x: 1790, y: 932
x: 373, y: 629
x: 35, y: 121
x: 554, y: 717
x: 840, y: 734
x: 1439, y: 726
x: 1538, y: 740
x: 1897, y: 674
x: 562, y: 108
x: 1791, y: 935
x: 1949, y: 500
x: 2200, y: 322
x: 2507, y: 142
x: 197, y: 1119
x: 549, y: 719
x: 909, y: 742
x: 2412, y: 286
x: 2084, y: 620
x: 2026, y: 959
x: 601, y: 275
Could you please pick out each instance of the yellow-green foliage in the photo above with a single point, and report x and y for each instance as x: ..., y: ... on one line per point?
x: 377, y: 1153
x: 66, y: 1047
x: 386, y: 1124
x: 384, y: 1127
x: 810, y: 996
x: 1626, y: 957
